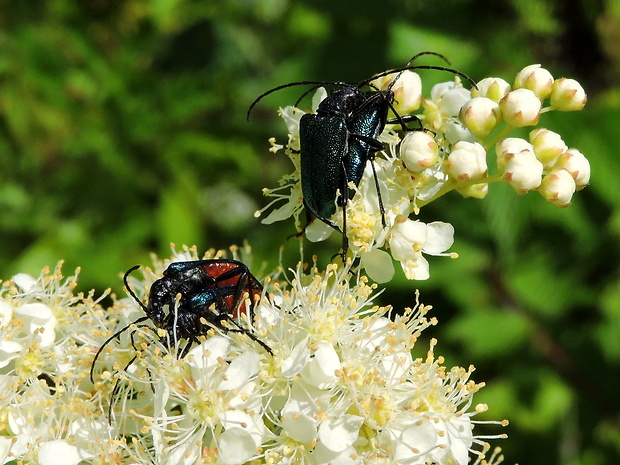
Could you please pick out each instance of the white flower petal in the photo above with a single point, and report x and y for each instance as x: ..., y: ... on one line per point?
x: 291, y: 117
x: 235, y: 446
x: 457, y: 131
x: 318, y: 231
x: 459, y: 438
x: 320, y: 370
x: 8, y: 351
x: 281, y: 213
x: 318, y: 97
x: 453, y: 100
x: 24, y: 281
x: 415, y: 440
x: 6, y: 444
x: 240, y: 370
x: 440, y: 237
x: 39, y: 316
x: 251, y: 424
x: 376, y: 336
x: 328, y: 358
x: 186, y: 452
x: 206, y: 355
x: 82, y: 430
x: 245, y: 397
x: 378, y: 265
x: 416, y: 269
x: 296, y: 360
x: 407, y: 238
x: 6, y: 312
x: 395, y: 366
x: 61, y: 453
x: 300, y: 427
x: 162, y: 394
x: 339, y: 433
x: 323, y: 456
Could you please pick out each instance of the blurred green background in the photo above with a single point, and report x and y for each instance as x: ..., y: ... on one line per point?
x: 122, y: 129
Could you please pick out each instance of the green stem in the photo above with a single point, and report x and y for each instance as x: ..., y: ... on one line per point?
x: 500, y: 135
x: 452, y: 184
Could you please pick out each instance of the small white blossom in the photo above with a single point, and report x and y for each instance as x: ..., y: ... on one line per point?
x: 568, y: 95
x: 536, y: 79
x: 491, y: 88
x: 508, y: 147
x: 409, y: 239
x: 481, y: 116
x: 467, y: 161
x: 523, y: 171
x: 441, y: 111
x: 547, y: 145
x: 577, y: 165
x: 419, y: 151
x: 521, y: 107
x: 558, y: 187
x: 407, y: 90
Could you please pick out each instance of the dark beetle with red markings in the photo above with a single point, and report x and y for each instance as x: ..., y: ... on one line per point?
x: 210, y: 292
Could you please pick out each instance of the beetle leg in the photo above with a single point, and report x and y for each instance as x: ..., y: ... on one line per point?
x: 241, y: 329
x: 381, y: 209
x: 376, y: 146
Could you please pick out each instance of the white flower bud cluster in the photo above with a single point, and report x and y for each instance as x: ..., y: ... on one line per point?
x: 460, y: 149
x: 462, y: 130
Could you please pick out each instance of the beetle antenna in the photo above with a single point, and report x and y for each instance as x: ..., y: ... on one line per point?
x: 438, y: 68
x: 415, y: 57
x: 292, y: 84
x: 122, y: 330
x: 130, y: 290
x: 313, y: 88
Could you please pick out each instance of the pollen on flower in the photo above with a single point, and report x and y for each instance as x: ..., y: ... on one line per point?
x: 342, y: 381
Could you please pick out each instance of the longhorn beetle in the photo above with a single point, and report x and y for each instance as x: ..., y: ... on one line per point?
x: 341, y: 137
x: 211, y: 292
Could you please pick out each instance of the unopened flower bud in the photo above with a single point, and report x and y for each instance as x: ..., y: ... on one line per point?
x: 467, y: 161
x: 568, y: 95
x: 475, y: 191
x: 548, y: 145
x: 577, y: 165
x: 481, y: 115
x: 493, y: 88
x: 419, y: 151
x: 558, y: 187
x: 521, y: 108
x: 508, y: 147
x: 523, y: 171
x: 537, y: 79
x: 407, y: 90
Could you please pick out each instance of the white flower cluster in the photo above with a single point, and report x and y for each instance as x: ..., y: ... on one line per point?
x: 49, y: 413
x: 462, y: 129
x: 341, y: 387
